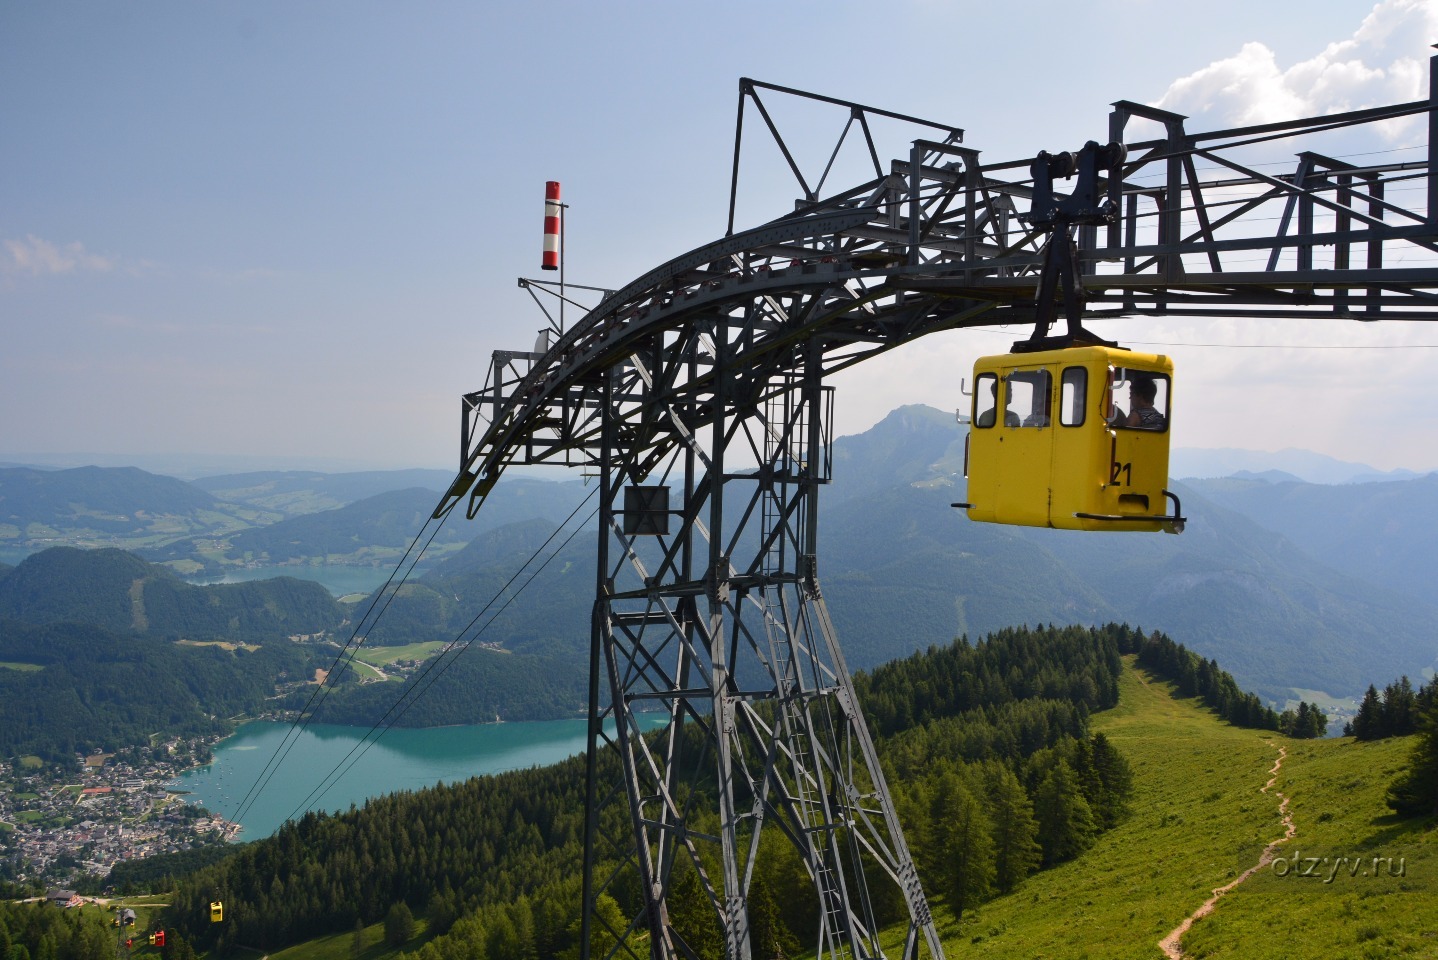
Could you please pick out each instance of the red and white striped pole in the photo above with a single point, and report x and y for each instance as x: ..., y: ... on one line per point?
x: 552, y: 225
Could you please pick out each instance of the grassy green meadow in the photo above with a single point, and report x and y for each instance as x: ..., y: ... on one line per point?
x: 365, y: 671
x: 384, y: 656
x: 1355, y: 883
x: 1198, y: 821
x: 341, y: 946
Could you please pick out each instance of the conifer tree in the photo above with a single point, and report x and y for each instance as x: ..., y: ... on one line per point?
x: 1400, y: 708
x: 1317, y: 722
x: 442, y: 911
x: 606, y: 926
x: 1066, y: 822
x: 357, y: 940
x: 693, y: 916
x: 177, y: 948
x: 1016, y: 849
x: 523, y: 916
x: 1415, y: 792
x: 1115, y: 777
x: 398, y: 925
x: 769, y: 938
x: 95, y: 944
x: 1368, y: 722
x: 968, y: 866
x: 502, y: 939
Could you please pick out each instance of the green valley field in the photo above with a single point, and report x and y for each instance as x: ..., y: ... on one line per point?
x: 1199, y: 820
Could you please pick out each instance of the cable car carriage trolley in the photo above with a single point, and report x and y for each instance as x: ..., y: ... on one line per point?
x: 1071, y: 431
x: 1074, y: 438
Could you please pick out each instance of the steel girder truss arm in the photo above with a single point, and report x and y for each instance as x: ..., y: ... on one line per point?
x: 941, y: 241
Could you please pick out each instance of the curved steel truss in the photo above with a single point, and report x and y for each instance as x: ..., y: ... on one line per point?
x: 697, y: 395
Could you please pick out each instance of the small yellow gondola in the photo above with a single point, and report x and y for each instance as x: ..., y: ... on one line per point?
x: 1073, y: 438
x: 217, y: 911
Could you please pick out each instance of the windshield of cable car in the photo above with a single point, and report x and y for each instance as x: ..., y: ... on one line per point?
x: 1029, y: 397
x: 1026, y: 399
x: 1138, y: 399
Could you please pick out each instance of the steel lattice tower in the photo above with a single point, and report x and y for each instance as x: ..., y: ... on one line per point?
x: 709, y: 612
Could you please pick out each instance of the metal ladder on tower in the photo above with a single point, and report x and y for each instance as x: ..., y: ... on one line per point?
x: 786, y: 420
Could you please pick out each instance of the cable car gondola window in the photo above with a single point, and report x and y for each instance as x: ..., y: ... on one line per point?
x: 1146, y: 395
x: 1030, y: 397
x: 986, y: 392
x: 1073, y: 387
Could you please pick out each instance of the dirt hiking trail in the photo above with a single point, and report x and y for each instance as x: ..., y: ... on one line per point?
x: 1170, y: 945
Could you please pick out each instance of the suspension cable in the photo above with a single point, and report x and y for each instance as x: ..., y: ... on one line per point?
x: 351, y: 647
x: 438, y: 665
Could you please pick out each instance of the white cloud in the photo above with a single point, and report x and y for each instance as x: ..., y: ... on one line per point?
x: 1385, y: 61
x: 39, y: 257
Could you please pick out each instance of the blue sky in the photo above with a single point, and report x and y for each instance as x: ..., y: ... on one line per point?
x: 288, y: 234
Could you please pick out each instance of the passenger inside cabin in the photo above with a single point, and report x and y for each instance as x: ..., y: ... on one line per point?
x: 1142, y: 414
x: 1034, y: 396
x: 988, y: 415
x: 1040, y: 415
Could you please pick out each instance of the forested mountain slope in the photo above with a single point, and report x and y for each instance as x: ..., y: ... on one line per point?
x: 463, y: 686
x: 296, y: 492
x: 373, y: 530
x: 1378, y: 532
x: 103, y: 650
x: 481, y: 585
x: 901, y: 569
x: 86, y: 689
x: 1286, y: 602
x: 103, y: 496
x: 123, y: 593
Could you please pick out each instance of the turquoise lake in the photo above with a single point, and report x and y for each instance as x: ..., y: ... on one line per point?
x: 400, y: 760
x: 340, y: 580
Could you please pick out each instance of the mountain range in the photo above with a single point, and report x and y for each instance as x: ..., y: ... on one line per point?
x: 1281, y: 606
x: 121, y: 592
x: 1293, y: 586
x: 1301, y: 465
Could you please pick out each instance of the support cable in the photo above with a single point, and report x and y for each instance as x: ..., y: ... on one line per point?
x: 438, y: 664
x: 350, y: 648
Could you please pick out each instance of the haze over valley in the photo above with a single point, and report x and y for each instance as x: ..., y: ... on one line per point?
x: 1296, y: 587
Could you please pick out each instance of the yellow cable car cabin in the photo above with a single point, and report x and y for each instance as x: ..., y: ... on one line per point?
x: 1073, y: 438
x: 217, y: 911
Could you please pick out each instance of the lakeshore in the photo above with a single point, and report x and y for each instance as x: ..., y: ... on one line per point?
x: 267, y: 772
x: 69, y: 824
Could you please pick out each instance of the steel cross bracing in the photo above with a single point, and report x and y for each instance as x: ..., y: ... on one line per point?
x: 706, y: 376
